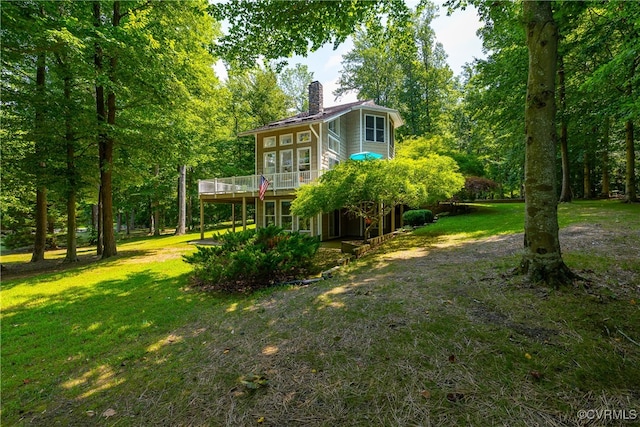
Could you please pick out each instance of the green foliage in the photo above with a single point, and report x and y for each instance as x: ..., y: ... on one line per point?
x: 252, y: 259
x: 19, y: 239
x: 295, y: 83
x: 417, y: 217
x: 279, y: 29
x: 401, y: 65
x: 364, y: 187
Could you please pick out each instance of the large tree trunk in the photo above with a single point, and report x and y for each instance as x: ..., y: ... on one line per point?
x: 105, y: 141
x: 541, y: 260
x: 107, y: 161
x: 182, y: 201
x: 72, y: 254
x: 565, y: 195
x: 40, y: 240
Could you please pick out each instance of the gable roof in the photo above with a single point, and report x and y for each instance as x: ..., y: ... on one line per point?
x: 328, y: 114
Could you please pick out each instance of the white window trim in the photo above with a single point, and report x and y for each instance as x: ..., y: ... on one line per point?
x: 300, y: 134
x: 293, y: 221
x: 282, y: 153
x: 264, y: 162
x: 290, y: 135
x: 375, y: 129
x: 296, y: 222
x: 300, y: 157
x: 332, y: 137
x: 266, y: 142
x: 264, y: 212
x: 337, y: 131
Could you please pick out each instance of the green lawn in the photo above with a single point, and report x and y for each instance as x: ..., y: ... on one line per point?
x: 429, y: 330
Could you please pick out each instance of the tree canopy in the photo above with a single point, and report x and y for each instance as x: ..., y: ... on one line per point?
x: 367, y: 189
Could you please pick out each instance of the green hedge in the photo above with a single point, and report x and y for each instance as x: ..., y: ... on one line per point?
x: 417, y: 217
x: 253, y: 259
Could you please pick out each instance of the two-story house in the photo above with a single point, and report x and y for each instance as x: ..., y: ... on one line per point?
x: 297, y: 150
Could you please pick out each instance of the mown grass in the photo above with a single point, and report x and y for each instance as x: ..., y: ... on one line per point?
x: 429, y: 330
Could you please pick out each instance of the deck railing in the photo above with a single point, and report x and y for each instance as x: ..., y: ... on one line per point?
x: 251, y: 183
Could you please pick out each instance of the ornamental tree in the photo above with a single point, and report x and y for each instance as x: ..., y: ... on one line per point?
x: 372, y: 188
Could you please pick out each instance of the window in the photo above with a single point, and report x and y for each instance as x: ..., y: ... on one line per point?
x: 286, y: 139
x: 269, y: 162
x: 333, y: 162
x: 304, y: 137
x: 334, y: 144
x: 269, y: 213
x: 286, y: 161
x: 304, y: 159
x: 334, y: 126
x: 286, y: 219
x: 269, y: 141
x: 304, y: 225
x: 374, y: 128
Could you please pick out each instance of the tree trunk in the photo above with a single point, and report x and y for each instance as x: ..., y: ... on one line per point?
x: 542, y: 260
x: 586, y: 176
x: 72, y: 253
x: 131, y: 223
x: 156, y: 205
x: 565, y: 195
x: 189, y: 200
x: 101, y: 116
x: 630, y: 180
x: 40, y: 240
x: 182, y: 201
x: 100, y: 239
x: 606, y: 180
x: 106, y: 163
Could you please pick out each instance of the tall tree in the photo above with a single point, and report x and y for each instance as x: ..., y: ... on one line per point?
x: 542, y: 259
x: 295, y: 84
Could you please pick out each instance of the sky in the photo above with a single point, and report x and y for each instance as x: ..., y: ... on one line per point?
x: 456, y: 33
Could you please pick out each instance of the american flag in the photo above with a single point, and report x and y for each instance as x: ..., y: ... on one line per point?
x: 264, y: 184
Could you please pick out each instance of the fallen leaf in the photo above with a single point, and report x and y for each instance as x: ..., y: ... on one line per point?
x: 260, y: 420
x: 455, y: 397
x: 26, y: 381
x: 536, y: 375
x: 452, y: 358
x: 633, y: 302
x: 226, y: 350
x: 109, y: 413
x: 426, y: 394
x: 91, y: 413
x: 527, y: 355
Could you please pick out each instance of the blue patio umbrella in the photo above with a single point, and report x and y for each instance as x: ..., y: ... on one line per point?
x: 366, y: 155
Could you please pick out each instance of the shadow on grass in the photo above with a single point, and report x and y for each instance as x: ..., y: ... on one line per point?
x: 65, y: 352
x: 17, y: 273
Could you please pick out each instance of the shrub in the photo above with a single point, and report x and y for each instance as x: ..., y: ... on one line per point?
x: 19, y: 239
x: 253, y: 259
x: 417, y: 217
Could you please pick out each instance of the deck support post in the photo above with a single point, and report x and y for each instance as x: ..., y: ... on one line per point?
x: 201, y: 219
x: 244, y: 214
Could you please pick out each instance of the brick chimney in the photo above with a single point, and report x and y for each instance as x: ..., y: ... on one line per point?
x: 315, y: 98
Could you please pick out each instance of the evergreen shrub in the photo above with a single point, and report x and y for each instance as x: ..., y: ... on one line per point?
x: 253, y: 259
x: 417, y: 217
